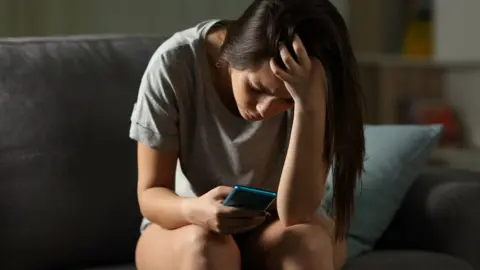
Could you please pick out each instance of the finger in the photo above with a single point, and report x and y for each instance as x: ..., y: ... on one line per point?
x: 237, y: 212
x: 252, y: 223
x: 289, y: 61
x: 232, y: 226
x: 242, y: 222
x: 213, y: 225
x: 301, y: 52
x: 280, y: 72
x: 221, y: 192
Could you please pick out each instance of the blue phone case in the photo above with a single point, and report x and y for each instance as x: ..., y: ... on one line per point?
x: 251, y: 198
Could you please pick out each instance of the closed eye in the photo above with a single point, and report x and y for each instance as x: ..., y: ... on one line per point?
x: 266, y: 91
x: 256, y: 89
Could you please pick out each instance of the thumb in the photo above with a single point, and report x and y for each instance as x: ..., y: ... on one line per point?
x: 220, y: 192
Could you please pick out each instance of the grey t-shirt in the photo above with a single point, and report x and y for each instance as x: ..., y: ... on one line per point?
x: 179, y: 109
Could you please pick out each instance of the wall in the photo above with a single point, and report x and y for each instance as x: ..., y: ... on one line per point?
x: 462, y: 89
x: 344, y: 7
x: 6, y: 14
x: 457, y: 41
x: 61, y: 17
x: 376, y: 26
x: 457, y: 36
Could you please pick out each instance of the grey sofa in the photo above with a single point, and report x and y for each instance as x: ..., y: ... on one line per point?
x: 68, y: 168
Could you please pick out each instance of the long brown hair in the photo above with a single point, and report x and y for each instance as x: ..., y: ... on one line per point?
x: 257, y: 36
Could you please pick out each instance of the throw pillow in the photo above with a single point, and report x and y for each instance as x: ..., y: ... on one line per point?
x: 395, y: 155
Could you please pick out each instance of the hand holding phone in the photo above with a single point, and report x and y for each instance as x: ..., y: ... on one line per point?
x: 209, y: 212
x: 250, y: 198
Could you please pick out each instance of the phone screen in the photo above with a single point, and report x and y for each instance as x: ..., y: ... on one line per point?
x: 251, y: 198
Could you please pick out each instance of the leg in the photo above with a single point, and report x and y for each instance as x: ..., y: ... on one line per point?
x: 187, y: 248
x: 302, y: 247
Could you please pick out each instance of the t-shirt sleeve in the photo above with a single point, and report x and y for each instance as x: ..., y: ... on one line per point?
x: 154, y: 121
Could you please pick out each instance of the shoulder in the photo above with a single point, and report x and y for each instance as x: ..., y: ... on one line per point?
x: 181, y: 50
x: 176, y: 66
x: 174, y: 55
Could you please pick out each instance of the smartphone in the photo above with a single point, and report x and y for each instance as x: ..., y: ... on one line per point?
x: 250, y: 198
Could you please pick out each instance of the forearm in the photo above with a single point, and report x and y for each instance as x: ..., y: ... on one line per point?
x: 163, y: 207
x: 304, y: 173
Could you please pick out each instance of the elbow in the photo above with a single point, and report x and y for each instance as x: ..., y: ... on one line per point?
x: 289, y: 219
x: 149, y: 212
x: 299, y: 213
x: 144, y: 204
x: 290, y: 222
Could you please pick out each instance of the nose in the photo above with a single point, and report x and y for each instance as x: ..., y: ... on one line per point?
x: 270, y: 106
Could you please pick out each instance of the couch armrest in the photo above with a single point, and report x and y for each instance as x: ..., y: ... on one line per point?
x: 441, y: 213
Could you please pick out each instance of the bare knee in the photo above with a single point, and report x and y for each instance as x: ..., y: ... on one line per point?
x: 207, y: 250
x: 308, y: 239
x: 186, y: 248
x: 303, y: 246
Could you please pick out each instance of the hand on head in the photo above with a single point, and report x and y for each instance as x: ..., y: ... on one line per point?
x: 304, y: 78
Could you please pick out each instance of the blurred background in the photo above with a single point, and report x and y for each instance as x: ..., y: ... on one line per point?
x: 419, y: 59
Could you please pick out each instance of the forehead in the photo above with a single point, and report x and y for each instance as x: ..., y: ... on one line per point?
x: 263, y: 77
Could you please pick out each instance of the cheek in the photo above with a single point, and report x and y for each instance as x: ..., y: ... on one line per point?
x: 243, y: 94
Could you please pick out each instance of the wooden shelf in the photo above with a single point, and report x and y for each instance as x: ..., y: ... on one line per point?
x: 468, y: 159
x: 395, y: 60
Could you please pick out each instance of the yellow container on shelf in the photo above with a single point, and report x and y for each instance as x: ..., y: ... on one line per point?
x: 418, y: 36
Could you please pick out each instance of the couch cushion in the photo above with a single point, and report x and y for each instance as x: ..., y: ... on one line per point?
x: 437, y: 215
x: 410, y: 260
x: 67, y: 165
x: 394, y: 158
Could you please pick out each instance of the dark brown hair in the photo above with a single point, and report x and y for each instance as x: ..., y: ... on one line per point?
x: 257, y: 36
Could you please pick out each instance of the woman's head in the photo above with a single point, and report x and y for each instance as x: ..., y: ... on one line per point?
x: 256, y: 37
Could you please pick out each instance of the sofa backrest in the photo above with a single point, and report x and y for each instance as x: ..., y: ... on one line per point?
x: 67, y: 166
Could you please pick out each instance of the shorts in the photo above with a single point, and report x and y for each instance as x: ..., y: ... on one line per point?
x: 242, y: 238
x: 144, y: 225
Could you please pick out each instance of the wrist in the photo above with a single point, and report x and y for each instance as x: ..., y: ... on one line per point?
x: 312, y: 109
x: 313, y: 100
x: 187, y: 206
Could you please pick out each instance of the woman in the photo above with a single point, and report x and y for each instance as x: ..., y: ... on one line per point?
x: 270, y: 100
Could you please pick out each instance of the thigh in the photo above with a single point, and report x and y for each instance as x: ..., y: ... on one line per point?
x: 162, y: 249
x: 259, y: 244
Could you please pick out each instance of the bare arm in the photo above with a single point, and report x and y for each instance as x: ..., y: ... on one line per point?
x: 156, y: 181
x: 304, y: 173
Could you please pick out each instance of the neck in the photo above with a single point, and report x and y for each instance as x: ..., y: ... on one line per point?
x: 220, y: 73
